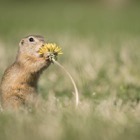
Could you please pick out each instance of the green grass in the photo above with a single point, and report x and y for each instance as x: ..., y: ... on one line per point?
x: 101, y: 50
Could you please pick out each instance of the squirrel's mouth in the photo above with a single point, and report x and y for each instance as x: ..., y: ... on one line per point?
x: 39, y: 47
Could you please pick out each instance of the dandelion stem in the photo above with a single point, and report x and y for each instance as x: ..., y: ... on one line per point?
x: 72, y: 80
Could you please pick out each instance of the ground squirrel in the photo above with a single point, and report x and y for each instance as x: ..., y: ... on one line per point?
x: 19, y: 82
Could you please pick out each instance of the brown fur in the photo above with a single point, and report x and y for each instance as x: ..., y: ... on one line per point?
x: 19, y: 82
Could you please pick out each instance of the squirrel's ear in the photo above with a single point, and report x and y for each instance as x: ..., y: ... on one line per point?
x: 21, y: 42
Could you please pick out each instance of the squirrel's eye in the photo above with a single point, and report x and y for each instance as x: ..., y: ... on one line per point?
x: 31, y: 39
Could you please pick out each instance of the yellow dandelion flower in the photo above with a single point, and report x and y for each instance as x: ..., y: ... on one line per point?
x: 51, y: 48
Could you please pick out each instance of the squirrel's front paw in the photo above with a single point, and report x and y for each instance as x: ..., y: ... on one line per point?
x: 46, y: 56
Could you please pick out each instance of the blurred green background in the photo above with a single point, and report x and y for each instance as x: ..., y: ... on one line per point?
x: 101, y: 44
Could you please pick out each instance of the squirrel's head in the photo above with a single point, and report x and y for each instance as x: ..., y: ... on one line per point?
x: 31, y: 44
